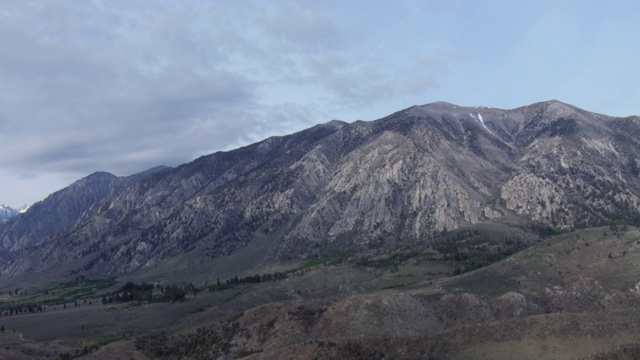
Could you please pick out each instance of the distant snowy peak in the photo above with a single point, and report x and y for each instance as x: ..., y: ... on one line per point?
x: 7, y: 212
x: 4, y: 207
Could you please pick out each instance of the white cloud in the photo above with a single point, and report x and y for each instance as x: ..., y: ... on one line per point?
x: 121, y: 86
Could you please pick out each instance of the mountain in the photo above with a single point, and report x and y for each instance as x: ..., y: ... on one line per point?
x: 58, y: 212
x: 7, y: 212
x: 343, y: 188
x: 61, y: 210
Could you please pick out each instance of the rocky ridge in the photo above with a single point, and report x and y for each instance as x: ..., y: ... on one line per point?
x: 341, y: 187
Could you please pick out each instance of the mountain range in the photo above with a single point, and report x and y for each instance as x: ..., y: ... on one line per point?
x: 342, y: 187
x: 437, y: 232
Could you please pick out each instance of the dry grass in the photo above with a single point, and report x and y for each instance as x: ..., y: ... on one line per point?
x: 571, y: 297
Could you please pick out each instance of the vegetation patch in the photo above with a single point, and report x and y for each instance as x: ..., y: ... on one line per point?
x: 401, y: 285
x: 315, y: 262
x: 149, y: 293
x: 19, y: 301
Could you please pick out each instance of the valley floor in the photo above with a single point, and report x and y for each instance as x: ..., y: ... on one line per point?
x: 572, y: 296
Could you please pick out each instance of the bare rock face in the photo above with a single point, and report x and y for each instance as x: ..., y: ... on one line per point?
x: 578, y: 169
x: 341, y: 187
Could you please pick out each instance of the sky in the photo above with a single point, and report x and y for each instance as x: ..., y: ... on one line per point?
x: 126, y: 85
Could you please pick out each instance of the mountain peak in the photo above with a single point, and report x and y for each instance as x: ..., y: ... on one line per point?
x: 554, y: 105
x: 335, y: 123
x: 447, y: 106
x: 7, y: 212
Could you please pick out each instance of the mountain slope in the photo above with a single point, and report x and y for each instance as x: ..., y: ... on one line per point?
x: 61, y: 210
x: 57, y: 212
x: 341, y: 187
x: 573, y: 296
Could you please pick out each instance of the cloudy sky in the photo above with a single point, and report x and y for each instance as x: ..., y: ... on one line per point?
x: 122, y: 86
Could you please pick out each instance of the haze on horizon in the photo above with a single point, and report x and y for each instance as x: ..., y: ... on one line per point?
x: 123, y: 86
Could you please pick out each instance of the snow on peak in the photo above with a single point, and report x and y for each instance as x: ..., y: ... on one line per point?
x: 7, y: 212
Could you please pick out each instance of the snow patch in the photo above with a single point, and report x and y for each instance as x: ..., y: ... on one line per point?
x: 480, y: 120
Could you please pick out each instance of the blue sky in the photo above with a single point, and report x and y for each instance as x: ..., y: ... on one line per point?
x: 122, y: 86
